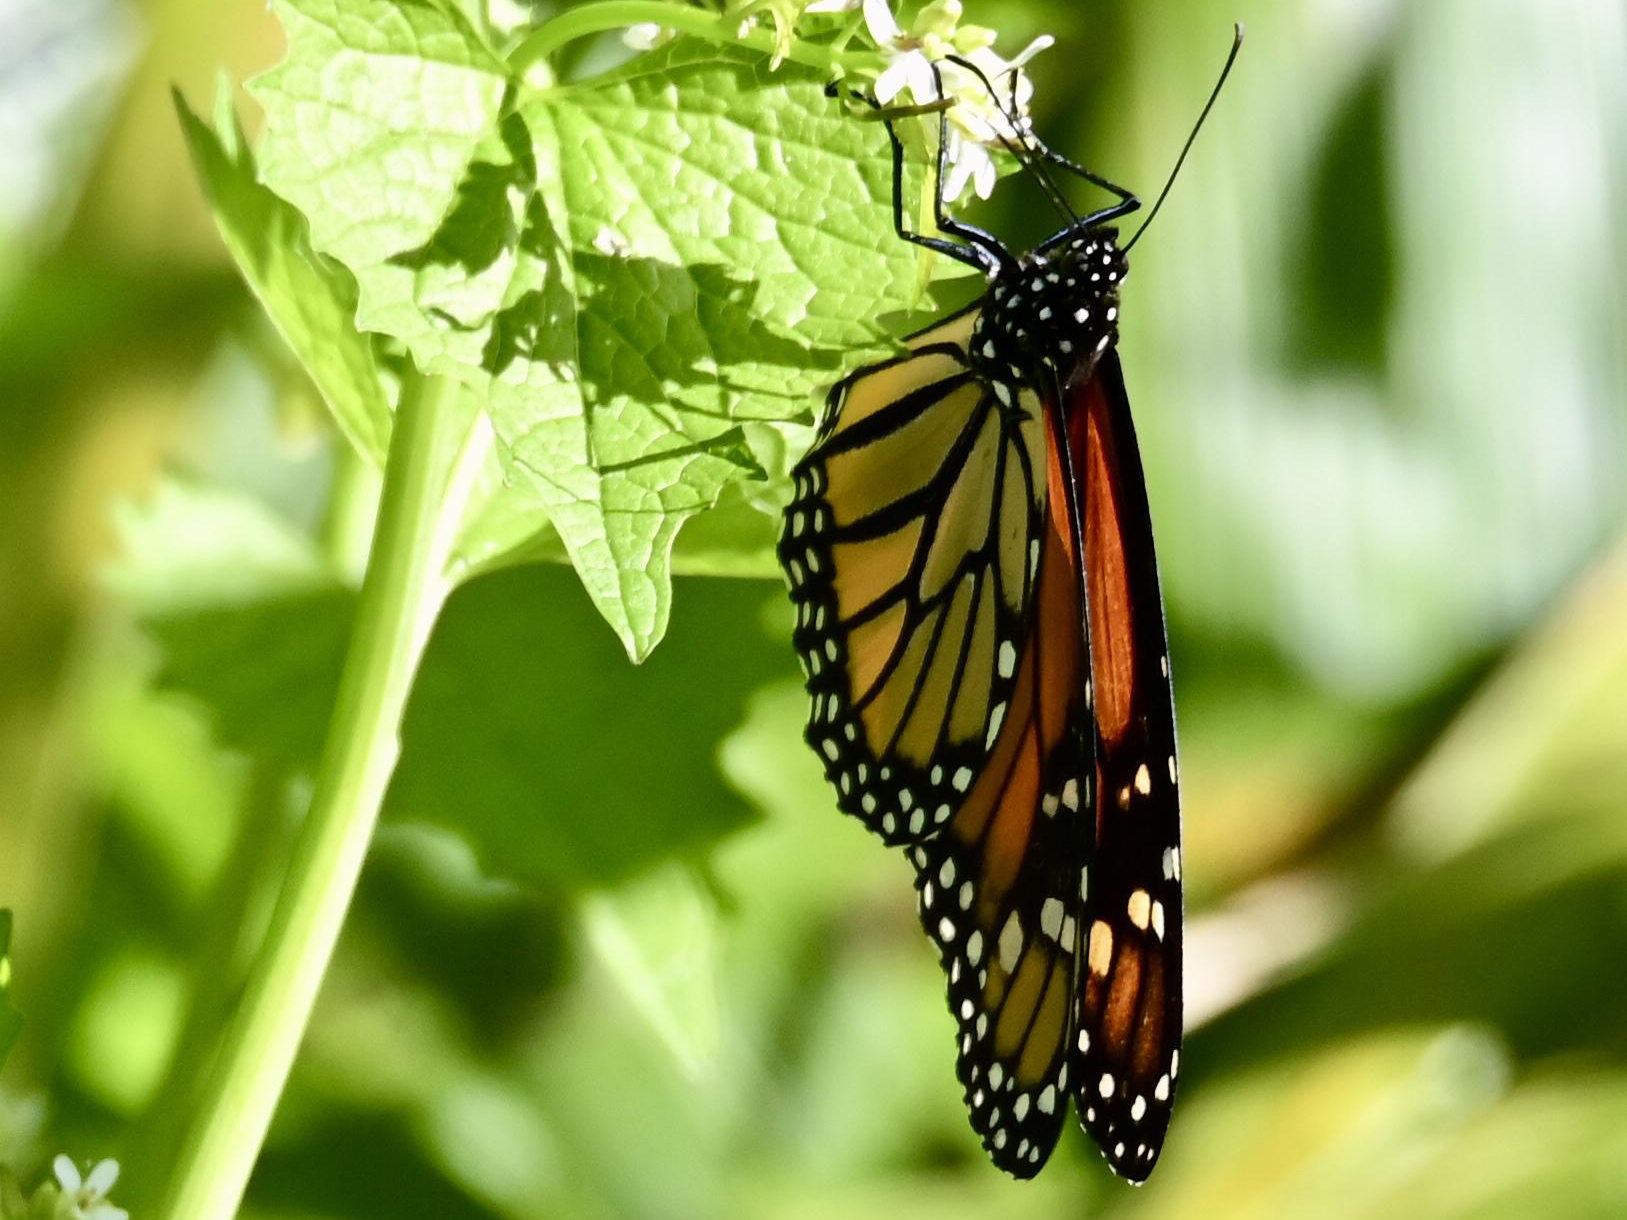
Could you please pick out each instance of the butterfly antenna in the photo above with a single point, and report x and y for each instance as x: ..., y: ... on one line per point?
x: 1036, y: 152
x: 1237, y: 45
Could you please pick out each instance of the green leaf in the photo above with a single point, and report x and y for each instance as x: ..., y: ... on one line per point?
x: 648, y: 276
x: 189, y: 543
x: 486, y: 943
x: 11, y: 1020
x: 517, y: 677
x: 122, y: 1035
x: 382, y: 115
x: 659, y: 941
x: 311, y: 300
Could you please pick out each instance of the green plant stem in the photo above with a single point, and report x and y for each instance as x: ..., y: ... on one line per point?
x: 426, y: 480
x: 716, y: 27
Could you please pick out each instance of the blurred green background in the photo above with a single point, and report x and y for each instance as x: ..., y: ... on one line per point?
x: 1377, y: 346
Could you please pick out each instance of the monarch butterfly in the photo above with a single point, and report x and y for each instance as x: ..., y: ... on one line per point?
x: 980, y: 624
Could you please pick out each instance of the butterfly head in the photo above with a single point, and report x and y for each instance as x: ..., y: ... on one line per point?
x: 1055, y: 306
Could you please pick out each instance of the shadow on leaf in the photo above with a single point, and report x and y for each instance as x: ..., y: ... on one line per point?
x: 683, y: 340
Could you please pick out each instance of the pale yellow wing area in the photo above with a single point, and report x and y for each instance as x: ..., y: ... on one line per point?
x: 912, y: 546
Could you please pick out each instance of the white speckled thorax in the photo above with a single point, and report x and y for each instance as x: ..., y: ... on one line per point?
x: 1053, y: 309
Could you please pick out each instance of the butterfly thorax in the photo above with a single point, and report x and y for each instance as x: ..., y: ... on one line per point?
x: 1050, y: 309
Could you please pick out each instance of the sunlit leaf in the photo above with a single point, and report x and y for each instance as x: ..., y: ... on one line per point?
x: 309, y: 298
x: 659, y: 941
x: 644, y: 274
x: 188, y: 544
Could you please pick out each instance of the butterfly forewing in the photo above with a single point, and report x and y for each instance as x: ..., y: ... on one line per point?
x: 1001, y: 888
x: 911, y: 546
x: 1127, y: 1048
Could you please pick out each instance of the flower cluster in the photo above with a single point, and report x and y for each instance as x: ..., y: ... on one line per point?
x: 979, y: 120
x: 989, y: 107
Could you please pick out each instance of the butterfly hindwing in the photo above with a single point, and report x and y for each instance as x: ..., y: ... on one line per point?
x: 911, y: 545
x: 1127, y: 1049
x: 1000, y: 889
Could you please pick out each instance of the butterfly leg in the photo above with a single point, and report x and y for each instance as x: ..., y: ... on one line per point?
x: 1073, y: 167
x: 980, y: 249
x: 1127, y: 201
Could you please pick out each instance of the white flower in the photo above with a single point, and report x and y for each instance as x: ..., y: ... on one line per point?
x: 979, y: 120
x: 970, y: 162
x: 908, y: 66
x: 830, y: 6
x: 87, y: 1196
x: 985, y: 117
x: 645, y: 36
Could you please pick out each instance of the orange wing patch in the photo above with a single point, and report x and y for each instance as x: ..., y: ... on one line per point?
x: 1127, y: 1051
x: 1112, y: 643
x: 1000, y: 888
